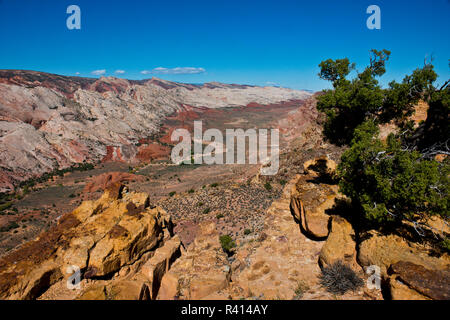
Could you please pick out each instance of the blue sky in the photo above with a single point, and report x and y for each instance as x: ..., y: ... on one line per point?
x: 253, y: 42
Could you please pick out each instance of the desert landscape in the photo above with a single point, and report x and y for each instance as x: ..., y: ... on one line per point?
x: 224, y: 159
x: 210, y: 231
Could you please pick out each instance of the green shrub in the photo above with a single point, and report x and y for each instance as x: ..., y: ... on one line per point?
x: 172, y: 193
x: 268, y: 186
x: 219, y: 216
x: 247, y: 231
x: 353, y: 101
x: 5, y: 206
x: 227, y: 243
x: 191, y: 191
x: 12, y: 225
x: 390, y: 183
x: 206, y: 211
x: 445, y: 244
x: 398, y: 179
x: 214, y: 185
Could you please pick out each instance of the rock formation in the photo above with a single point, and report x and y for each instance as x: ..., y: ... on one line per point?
x: 101, y: 238
x: 49, y: 121
x: 313, y: 195
x: 409, y: 281
x: 202, y: 271
x: 106, y: 180
x: 340, y: 245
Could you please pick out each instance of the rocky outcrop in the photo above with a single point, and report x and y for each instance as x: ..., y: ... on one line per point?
x: 312, y: 197
x: 386, y: 250
x: 141, y: 281
x: 202, y: 271
x: 409, y: 281
x: 283, y: 257
x: 282, y: 263
x: 340, y: 245
x: 156, y: 267
x: 101, y: 238
x: 106, y: 180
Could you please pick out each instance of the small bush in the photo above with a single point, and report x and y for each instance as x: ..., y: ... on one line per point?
x: 268, y: 186
x: 247, y: 231
x: 302, y: 287
x: 214, y: 185
x: 200, y: 204
x: 445, y: 244
x: 72, y: 195
x: 5, y: 206
x: 206, y: 211
x: 227, y: 243
x: 191, y: 191
x: 339, y: 278
x: 171, y: 194
x: 219, y: 216
x: 10, y: 226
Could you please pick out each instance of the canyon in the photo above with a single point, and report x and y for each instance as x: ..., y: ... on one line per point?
x: 49, y: 121
x: 139, y: 227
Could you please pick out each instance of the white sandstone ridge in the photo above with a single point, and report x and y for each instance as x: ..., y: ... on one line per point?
x: 49, y: 121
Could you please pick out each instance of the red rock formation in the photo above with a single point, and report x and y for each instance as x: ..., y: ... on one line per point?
x: 152, y: 152
x: 106, y: 180
x: 49, y: 122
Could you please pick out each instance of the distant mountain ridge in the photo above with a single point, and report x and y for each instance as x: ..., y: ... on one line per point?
x: 69, y: 84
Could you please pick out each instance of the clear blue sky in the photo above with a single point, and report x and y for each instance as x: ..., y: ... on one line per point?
x: 253, y: 42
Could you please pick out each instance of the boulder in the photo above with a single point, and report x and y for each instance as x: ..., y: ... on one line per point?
x: 157, y: 266
x: 106, y: 180
x: 140, y: 281
x: 409, y: 281
x: 201, y: 271
x: 386, y: 250
x: 309, y: 202
x: 132, y: 289
x: 97, y: 292
x: 340, y: 245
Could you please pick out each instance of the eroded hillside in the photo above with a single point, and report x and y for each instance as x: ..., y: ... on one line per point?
x: 50, y: 122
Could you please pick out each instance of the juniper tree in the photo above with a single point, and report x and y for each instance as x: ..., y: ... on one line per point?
x: 397, y: 179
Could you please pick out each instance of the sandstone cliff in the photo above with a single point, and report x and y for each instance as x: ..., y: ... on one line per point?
x: 115, y: 234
